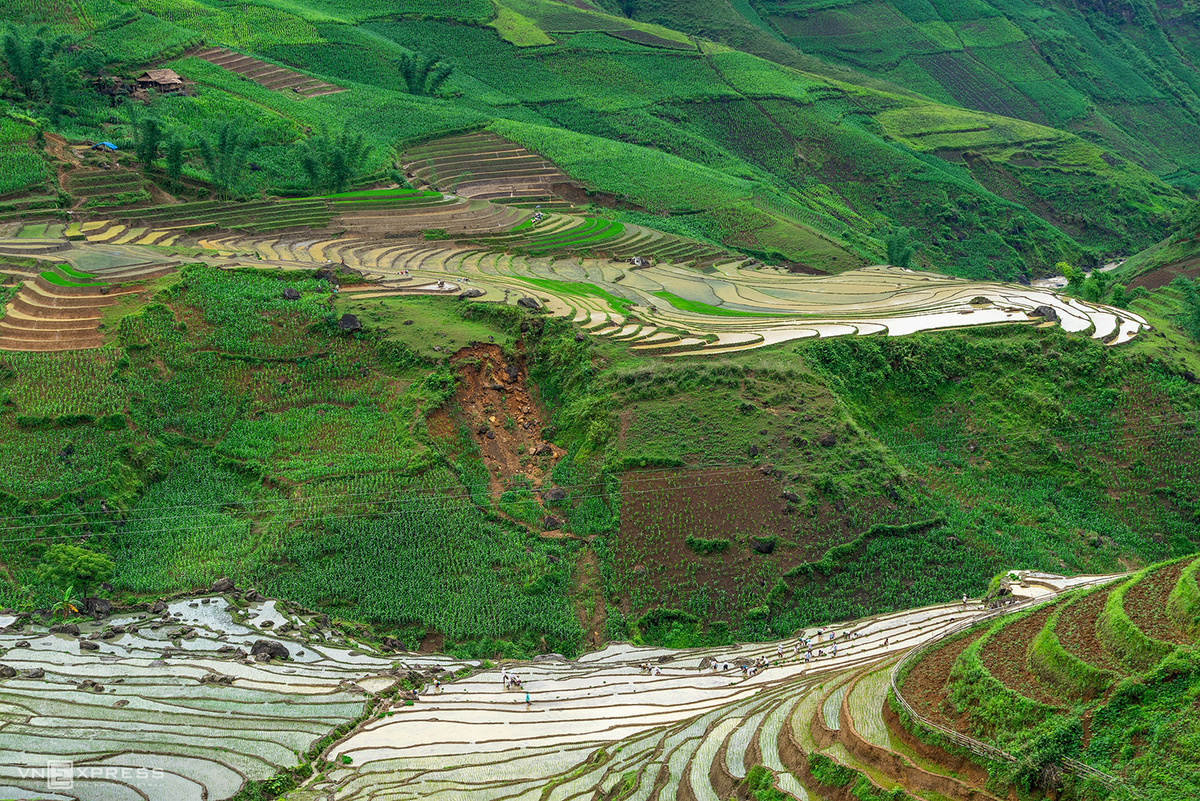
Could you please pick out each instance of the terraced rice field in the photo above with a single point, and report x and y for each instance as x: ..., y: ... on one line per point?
x: 684, y: 297
x: 1005, y: 657
x: 177, y: 710
x: 269, y: 75
x: 59, y: 305
x: 191, y: 718
x: 670, y: 309
x: 1076, y: 631
x: 1146, y: 605
x: 484, y: 166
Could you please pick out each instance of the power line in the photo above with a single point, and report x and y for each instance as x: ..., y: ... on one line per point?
x: 1079, y: 430
x: 440, y: 500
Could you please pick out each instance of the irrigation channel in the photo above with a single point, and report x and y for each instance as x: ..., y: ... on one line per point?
x: 172, y: 705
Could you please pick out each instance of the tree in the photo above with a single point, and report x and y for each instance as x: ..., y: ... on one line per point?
x: 28, y: 58
x: 226, y: 156
x: 147, y: 139
x: 423, y: 74
x: 174, y: 159
x: 74, y: 566
x: 900, y: 250
x: 67, y: 604
x: 1074, y: 275
x: 1189, y: 317
x: 332, y: 162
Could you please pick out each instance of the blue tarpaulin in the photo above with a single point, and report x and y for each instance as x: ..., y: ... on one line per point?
x: 105, y: 145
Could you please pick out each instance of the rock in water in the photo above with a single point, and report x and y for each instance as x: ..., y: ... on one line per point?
x: 273, y: 650
x: 97, y: 607
x: 1045, y: 311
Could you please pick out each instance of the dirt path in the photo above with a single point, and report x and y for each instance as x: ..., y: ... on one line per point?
x: 587, y: 596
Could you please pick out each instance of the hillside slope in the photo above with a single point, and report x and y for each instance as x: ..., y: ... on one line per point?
x: 730, y: 147
x: 1111, y: 72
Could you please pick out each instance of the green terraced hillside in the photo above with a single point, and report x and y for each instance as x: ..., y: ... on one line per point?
x: 1121, y: 74
x: 792, y: 163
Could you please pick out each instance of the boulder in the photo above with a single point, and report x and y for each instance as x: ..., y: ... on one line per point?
x: 752, y: 451
x: 406, y: 695
x: 579, y: 337
x: 470, y: 292
x: 65, y: 628
x: 349, y: 323
x: 273, y: 650
x: 1047, y: 312
x: 97, y: 607
x: 223, y: 585
x: 216, y: 678
x: 7, y: 672
x: 88, y: 645
x: 551, y: 523
x: 549, y: 658
x: 827, y: 440
x: 762, y: 545
x: 391, y: 644
x: 705, y: 663
x: 529, y: 303
x: 23, y: 644
x: 266, y: 624
x: 252, y: 595
x: 34, y: 673
x: 790, y: 496
x: 554, y: 494
x: 121, y: 703
x: 290, y: 294
x: 159, y: 607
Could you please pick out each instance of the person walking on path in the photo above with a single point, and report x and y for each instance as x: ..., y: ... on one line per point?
x: 964, y: 600
x: 527, y: 701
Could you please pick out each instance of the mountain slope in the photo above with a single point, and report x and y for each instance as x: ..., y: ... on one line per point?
x: 1123, y: 74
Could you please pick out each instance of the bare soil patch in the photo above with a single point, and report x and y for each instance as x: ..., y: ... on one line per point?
x: 1146, y: 605
x: 1006, y: 657
x: 1076, y: 631
x: 494, y: 402
x: 925, y: 686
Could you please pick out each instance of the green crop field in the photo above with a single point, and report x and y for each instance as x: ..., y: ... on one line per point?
x: 501, y: 328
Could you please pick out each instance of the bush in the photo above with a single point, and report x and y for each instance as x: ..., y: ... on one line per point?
x: 705, y: 547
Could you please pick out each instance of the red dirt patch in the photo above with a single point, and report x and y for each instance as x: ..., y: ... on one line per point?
x: 1076, y: 631
x: 493, y: 401
x: 926, y: 684
x: 1161, y: 276
x: 1006, y: 657
x: 1146, y: 605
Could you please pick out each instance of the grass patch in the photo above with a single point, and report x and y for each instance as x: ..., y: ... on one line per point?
x: 58, y: 280
x: 705, y: 308
x: 436, y: 329
x: 575, y: 289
